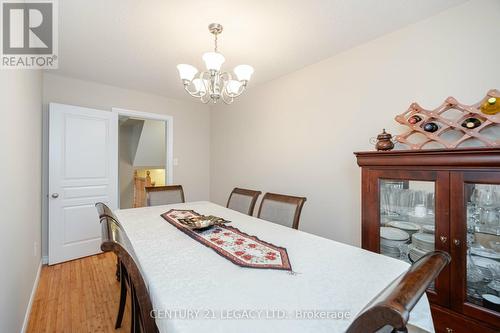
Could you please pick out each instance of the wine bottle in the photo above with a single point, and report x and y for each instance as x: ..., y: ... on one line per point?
x: 471, y: 123
x: 414, y: 119
x: 491, y: 106
x: 431, y: 127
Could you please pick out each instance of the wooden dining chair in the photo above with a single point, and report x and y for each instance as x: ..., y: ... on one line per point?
x: 103, y: 210
x: 281, y: 209
x: 121, y: 273
x: 243, y: 200
x: 390, y: 310
x: 164, y: 195
x: 114, y: 239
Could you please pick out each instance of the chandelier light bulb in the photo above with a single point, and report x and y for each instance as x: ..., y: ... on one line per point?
x: 186, y: 72
x: 233, y: 87
x: 199, y: 85
x: 243, y: 72
x: 213, y: 60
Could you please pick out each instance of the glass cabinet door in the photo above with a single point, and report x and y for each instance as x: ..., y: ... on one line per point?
x: 483, y: 245
x: 407, y: 219
x: 411, y: 207
x: 476, y: 237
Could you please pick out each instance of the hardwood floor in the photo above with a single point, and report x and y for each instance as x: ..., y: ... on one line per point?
x: 78, y: 296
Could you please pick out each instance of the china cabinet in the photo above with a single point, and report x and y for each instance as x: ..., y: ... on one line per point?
x: 416, y: 201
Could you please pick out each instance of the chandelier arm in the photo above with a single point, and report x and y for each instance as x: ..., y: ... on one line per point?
x: 204, y: 82
x: 205, y: 98
x: 201, y: 76
x: 224, y: 78
x: 226, y: 75
x: 218, y: 83
x: 194, y: 94
x: 210, y: 82
x: 197, y: 94
x: 228, y: 101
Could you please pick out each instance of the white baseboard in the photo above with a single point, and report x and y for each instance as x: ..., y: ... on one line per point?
x: 32, y: 297
x: 45, y: 260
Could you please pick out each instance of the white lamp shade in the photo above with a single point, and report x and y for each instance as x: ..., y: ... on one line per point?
x: 243, y: 72
x: 213, y: 60
x: 233, y: 86
x: 187, y: 72
x: 199, y: 85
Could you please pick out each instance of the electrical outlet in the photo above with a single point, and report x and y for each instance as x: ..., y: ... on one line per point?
x: 176, y: 161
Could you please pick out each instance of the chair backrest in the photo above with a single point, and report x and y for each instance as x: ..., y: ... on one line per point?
x: 164, y: 195
x: 243, y: 200
x: 391, y: 308
x: 104, y: 210
x: 281, y: 209
x: 114, y: 239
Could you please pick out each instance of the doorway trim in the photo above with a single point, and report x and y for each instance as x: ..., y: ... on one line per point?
x: 169, y: 138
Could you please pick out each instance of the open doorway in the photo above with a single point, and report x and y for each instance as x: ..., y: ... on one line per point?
x: 144, y: 155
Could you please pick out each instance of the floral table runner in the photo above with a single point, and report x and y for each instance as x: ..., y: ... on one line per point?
x: 234, y: 245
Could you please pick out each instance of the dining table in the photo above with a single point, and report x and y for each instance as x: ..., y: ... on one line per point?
x: 194, y: 289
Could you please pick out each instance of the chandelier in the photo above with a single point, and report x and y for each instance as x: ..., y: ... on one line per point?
x: 214, y: 84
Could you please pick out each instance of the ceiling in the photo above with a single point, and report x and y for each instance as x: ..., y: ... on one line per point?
x: 137, y: 44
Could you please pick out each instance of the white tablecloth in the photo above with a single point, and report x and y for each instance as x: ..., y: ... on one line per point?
x: 194, y: 289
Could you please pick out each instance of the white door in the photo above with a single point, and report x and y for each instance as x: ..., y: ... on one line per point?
x: 82, y: 171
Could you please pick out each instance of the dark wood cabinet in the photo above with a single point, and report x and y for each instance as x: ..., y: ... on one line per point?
x: 417, y: 201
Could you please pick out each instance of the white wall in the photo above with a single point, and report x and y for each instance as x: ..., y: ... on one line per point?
x: 141, y: 146
x: 191, y: 126
x: 128, y: 136
x: 20, y: 203
x: 151, y: 148
x: 297, y: 134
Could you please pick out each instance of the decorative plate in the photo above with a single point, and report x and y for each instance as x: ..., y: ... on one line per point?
x: 487, y: 253
x: 483, y: 262
x: 393, y: 234
x: 202, y: 221
x: 423, y: 238
x: 404, y: 225
x: 430, y: 229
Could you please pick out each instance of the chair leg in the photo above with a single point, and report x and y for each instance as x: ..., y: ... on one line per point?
x: 133, y: 315
x: 137, y: 316
x: 123, y: 299
x: 118, y: 271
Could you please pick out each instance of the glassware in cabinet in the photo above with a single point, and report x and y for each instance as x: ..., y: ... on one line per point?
x: 407, y: 218
x: 482, y: 211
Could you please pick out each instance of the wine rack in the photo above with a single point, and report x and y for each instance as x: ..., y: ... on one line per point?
x: 446, y: 124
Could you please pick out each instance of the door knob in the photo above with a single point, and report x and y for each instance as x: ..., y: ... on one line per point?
x: 55, y: 195
x: 456, y: 242
x: 443, y: 239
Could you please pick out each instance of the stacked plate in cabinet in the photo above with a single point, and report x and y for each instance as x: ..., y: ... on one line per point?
x: 391, y: 239
x: 422, y: 243
x: 429, y: 228
x: 409, y: 227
